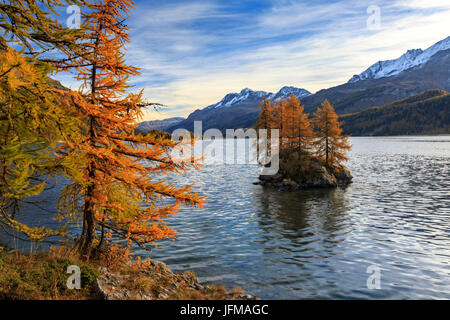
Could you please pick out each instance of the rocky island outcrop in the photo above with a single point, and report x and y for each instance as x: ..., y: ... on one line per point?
x: 311, y: 151
x: 294, y: 175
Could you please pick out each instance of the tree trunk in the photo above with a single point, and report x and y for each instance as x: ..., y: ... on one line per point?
x: 89, y: 217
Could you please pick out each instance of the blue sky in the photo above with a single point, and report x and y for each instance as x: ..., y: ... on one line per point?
x: 192, y: 53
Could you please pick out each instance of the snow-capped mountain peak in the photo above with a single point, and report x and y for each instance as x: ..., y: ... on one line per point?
x: 287, y: 91
x: 232, y: 99
x: 412, y: 58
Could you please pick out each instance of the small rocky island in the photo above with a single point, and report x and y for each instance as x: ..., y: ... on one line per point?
x: 293, y: 175
x: 311, y: 151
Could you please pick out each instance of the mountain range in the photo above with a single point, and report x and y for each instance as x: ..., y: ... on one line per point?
x: 236, y: 110
x: 412, y: 58
x: 360, y: 95
x: 233, y: 99
x: 383, y: 83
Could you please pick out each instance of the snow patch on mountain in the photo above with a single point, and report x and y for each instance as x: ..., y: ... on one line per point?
x: 287, y: 91
x: 412, y: 58
x: 232, y: 99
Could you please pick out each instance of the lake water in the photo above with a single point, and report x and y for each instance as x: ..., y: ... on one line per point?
x: 320, y: 243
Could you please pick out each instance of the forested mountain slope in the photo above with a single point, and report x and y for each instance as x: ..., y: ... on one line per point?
x: 425, y: 113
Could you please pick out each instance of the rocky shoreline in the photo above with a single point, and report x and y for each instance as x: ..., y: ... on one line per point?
x: 138, y: 286
x: 154, y: 281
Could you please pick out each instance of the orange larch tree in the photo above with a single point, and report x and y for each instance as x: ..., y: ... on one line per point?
x: 279, y: 114
x: 288, y: 116
x: 330, y: 144
x: 299, y: 126
x: 119, y: 187
x: 265, y: 118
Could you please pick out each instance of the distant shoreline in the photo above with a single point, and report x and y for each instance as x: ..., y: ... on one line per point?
x: 397, y: 136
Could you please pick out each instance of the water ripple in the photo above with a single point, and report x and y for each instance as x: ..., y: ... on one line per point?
x: 318, y: 243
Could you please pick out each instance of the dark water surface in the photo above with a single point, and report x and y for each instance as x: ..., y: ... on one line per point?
x: 319, y: 243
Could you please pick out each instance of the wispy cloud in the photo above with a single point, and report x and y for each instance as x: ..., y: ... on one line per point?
x: 192, y: 53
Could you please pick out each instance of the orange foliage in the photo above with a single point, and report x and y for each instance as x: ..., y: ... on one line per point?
x: 288, y: 116
x: 297, y: 135
x: 331, y: 144
x: 120, y: 198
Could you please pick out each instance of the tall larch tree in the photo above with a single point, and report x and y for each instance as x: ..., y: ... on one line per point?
x: 281, y: 116
x: 265, y: 121
x: 120, y: 186
x: 296, y: 133
x: 289, y: 111
x: 300, y: 129
x: 330, y: 144
x: 265, y: 118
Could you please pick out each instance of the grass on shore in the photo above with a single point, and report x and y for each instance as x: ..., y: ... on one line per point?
x: 43, y: 276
